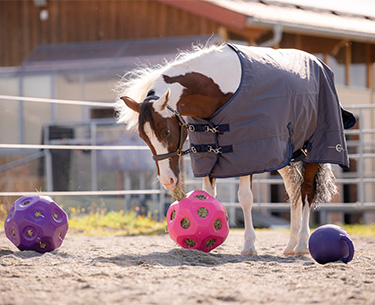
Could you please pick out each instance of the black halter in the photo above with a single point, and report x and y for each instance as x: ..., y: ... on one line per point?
x: 179, y: 152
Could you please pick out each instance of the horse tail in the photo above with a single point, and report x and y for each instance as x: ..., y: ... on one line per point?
x: 326, y: 187
x: 325, y: 183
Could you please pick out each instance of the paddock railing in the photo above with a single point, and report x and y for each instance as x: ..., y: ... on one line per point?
x: 357, y: 184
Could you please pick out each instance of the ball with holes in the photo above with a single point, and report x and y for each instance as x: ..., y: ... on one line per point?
x: 198, y: 221
x: 36, y: 223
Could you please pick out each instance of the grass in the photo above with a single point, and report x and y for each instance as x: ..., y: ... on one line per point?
x: 114, y: 223
x: 361, y: 230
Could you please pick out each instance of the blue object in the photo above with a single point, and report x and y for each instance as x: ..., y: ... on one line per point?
x: 330, y: 243
x: 286, y: 100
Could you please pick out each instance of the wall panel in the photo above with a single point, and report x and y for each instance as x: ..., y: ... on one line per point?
x: 89, y: 20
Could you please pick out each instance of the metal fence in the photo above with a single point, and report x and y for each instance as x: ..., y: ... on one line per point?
x: 361, y: 143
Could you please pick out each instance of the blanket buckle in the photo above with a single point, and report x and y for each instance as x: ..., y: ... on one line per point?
x: 213, y: 130
x: 214, y: 150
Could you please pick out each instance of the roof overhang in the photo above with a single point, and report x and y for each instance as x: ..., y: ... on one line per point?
x: 303, y: 20
x: 245, y: 14
x: 211, y: 10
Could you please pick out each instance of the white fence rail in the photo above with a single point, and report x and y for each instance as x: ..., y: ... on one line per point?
x: 361, y: 145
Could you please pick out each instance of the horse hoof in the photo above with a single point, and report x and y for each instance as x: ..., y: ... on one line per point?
x: 250, y: 252
x: 288, y: 251
x: 300, y: 252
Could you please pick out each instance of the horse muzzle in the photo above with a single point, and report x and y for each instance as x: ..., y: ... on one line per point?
x: 170, y: 182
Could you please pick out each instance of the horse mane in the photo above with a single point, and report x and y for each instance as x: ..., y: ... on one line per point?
x: 136, y: 83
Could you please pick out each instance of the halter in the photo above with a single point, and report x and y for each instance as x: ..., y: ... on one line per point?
x: 179, y: 152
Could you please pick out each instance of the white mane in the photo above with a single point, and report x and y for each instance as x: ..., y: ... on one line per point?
x: 136, y: 83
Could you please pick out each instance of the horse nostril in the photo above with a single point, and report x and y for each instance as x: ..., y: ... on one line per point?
x: 172, y: 180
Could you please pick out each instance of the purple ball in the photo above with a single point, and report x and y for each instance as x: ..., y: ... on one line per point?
x: 36, y: 223
x: 330, y: 243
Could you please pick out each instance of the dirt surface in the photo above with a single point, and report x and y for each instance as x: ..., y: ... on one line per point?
x: 153, y: 270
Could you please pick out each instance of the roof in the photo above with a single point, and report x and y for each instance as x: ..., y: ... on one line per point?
x: 360, y: 8
x: 304, y: 18
x: 122, y: 55
x: 350, y: 19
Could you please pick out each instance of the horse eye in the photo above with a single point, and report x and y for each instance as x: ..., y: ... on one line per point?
x: 165, y: 133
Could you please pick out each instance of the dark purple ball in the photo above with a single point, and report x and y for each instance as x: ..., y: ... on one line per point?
x: 330, y: 243
x: 36, y: 223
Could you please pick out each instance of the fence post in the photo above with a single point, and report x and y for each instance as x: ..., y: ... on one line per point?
x: 361, y: 188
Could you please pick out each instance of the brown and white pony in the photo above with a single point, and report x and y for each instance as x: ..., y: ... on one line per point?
x: 196, y: 84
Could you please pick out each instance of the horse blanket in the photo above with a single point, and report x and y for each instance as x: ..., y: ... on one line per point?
x: 285, y: 109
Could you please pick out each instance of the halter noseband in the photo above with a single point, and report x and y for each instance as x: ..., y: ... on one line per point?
x: 179, y: 152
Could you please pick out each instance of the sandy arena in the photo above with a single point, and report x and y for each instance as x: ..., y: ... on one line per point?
x: 153, y: 270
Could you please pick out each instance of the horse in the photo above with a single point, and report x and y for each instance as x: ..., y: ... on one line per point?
x: 247, y: 110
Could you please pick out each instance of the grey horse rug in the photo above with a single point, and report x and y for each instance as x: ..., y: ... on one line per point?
x: 285, y: 109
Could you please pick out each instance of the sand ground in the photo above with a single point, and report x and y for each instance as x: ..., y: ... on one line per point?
x: 153, y: 270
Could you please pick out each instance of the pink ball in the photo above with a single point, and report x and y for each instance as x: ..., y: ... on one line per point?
x: 198, y: 221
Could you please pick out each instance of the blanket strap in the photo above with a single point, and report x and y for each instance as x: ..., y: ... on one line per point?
x: 207, y: 128
x: 211, y: 148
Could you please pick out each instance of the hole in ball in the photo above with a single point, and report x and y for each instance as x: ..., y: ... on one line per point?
x: 13, y: 232
x: 42, y: 245
x: 189, y: 242
x: 30, y: 232
x: 201, y: 197
x: 202, y: 212
x: 185, y: 223
x: 218, y: 224
x: 26, y: 202
x: 173, y: 214
x: 210, y: 243
x: 38, y: 214
x: 56, y: 215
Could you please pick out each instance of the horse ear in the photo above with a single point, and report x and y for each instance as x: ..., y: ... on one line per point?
x: 162, y: 102
x: 132, y: 104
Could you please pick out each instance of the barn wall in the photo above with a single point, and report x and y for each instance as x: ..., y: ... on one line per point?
x: 21, y: 28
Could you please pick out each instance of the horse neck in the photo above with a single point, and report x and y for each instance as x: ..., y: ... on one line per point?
x: 205, y: 82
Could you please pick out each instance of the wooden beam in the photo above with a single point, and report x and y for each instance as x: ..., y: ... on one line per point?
x: 348, y: 59
x: 313, y: 44
x: 210, y: 11
x: 370, y: 68
x: 251, y: 34
x: 223, y: 32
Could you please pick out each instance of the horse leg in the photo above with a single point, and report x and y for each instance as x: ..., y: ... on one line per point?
x: 295, y: 224
x: 295, y: 212
x: 209, y: 185
x: 245, y: 197
x: 307, y: 196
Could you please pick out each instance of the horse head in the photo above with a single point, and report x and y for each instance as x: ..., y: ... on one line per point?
x: 163, y: 131
x: 191, y: 87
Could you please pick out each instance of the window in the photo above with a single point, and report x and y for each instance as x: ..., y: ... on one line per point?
x: 336, y: 62
x: 358, y: 65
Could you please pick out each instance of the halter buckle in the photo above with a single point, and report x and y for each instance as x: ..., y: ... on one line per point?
x: 191, y: 127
